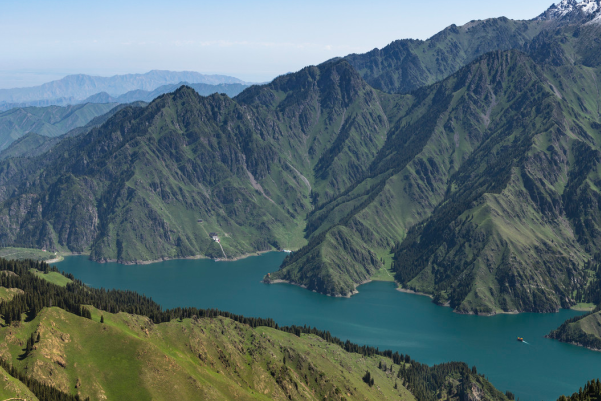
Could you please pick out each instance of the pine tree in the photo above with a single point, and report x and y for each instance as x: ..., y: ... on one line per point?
x: 368, y: 379
x: 101, y: 318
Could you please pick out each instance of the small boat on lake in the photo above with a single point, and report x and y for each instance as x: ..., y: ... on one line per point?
x: 520, y: 339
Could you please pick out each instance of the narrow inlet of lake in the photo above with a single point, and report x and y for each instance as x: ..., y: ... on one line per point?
x: 379, y: 315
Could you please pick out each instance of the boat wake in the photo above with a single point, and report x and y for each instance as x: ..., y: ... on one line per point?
x: 524, y: 342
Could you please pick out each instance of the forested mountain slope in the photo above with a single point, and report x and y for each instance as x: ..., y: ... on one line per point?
x: 33, y: 144
x: 28, y: 145
x: 101, y: 345
x: 584, y: 331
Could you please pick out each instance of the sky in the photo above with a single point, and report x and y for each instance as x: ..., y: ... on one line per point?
x: 252, y: 40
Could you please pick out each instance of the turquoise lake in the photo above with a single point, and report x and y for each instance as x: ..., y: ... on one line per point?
x: 379, y: 315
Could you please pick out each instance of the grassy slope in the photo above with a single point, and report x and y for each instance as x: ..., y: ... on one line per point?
x: 6, y: 294
x: 26, y: 253
x: 128, y: 357
x: 13, y: 388
x: 53, y: 277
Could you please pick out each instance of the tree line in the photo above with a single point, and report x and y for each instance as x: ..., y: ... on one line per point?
x: 40, y: 390
x: 423, y: 381
x: 590, y: 392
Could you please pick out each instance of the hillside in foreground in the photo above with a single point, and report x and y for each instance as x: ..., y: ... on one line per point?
x: 87, y: 345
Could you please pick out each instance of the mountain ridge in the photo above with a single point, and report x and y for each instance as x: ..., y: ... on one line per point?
x: 230, y: 89
x: 81, y: 86
x: 50, y: 121
x: 29, y: 121
x: 478, y: 189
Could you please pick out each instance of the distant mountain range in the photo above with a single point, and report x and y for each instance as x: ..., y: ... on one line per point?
x: 79, y: 87
x: 53, y: 121
x: 469, y: 173
x: 147, y: 96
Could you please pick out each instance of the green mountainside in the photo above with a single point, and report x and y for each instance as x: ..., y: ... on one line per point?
x: 32, y: 144
x: 54, y: 121
x: 481, y: 190
x: 497, y: 164
x: 29, y: 145
x: 408, y: 64
x: 49, y: 121
x: 584, y: 331
x: 186, y: 166
x: 92, y: 345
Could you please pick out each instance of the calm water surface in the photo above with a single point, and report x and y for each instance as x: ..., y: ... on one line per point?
x: 379, y: 316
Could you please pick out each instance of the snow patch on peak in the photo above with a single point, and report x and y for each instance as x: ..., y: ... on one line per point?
x: 570, y: 8
x: 589, y: 6
x: 596, y: 20
x: 562, y: 8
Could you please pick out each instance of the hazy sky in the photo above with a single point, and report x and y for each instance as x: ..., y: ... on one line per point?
x: 252, y: 40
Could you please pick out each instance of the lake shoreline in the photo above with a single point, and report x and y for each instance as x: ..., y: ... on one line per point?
x: 60, y: 258
x: 574, y: 343
x: 350, y: 294
x: 513, y: 312
x: 193, y: 257
x: 280, y: 281
x: 378, y: 316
